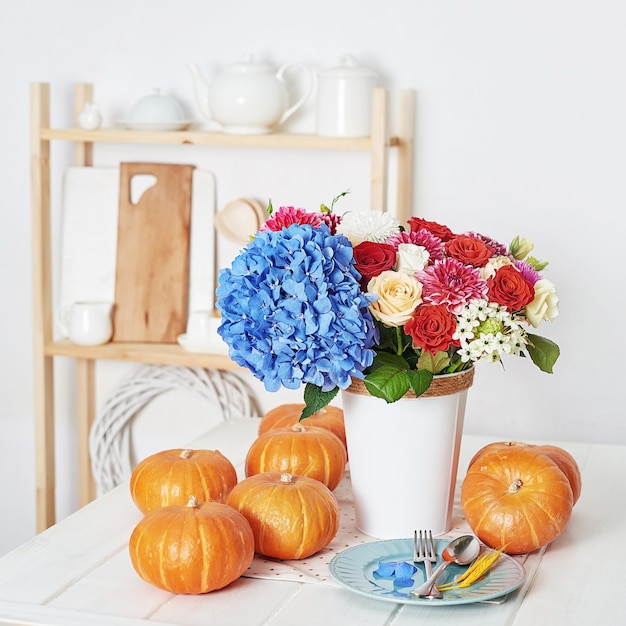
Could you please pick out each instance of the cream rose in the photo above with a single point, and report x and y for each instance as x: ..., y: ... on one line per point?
x: 398, y: 296
x: 493, y: 265
x: 545, y: 304
x: 411, y: 258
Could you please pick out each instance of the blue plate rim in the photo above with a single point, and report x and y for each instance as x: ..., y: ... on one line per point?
x: 402, y: 548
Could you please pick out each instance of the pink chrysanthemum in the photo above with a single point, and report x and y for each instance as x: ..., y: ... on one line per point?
x: 288, y: 215
x: 496, y: 246
x: 451, y: 284
x: 332, y: 220
x: 430, y: 242
x: 528, y: 271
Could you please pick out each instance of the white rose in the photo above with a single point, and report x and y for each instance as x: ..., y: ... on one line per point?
x: 398, y: 293
x: 521, y: 247
x: 411, y: 258
x: 545, y: 304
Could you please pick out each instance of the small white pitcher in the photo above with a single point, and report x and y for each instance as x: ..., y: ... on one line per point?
x: 87, y: 323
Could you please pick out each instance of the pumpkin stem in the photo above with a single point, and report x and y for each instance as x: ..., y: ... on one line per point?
x: 192, y: 503
x: 286, y: 478
x: 185, y: 454
x: 515, y: 486
x: 298, y: 428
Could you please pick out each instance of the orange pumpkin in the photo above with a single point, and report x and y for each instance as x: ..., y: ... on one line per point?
x: 516, y: 499
x: 330, y: 417
x: 171, y: 476
x: 292, y: 517
x: 302, y: 450
x: 194, y: 548
x: 566, y: 462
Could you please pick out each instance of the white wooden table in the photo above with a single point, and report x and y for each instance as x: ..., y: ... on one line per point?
x: 78, y: 573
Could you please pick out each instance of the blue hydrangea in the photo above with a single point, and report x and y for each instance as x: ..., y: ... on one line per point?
x: 293, y: 312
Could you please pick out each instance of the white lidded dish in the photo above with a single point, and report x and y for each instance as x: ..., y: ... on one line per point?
x: 156, y: 111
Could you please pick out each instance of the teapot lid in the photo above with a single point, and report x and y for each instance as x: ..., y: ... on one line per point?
x: 348, y: 67
x: 248, y: 66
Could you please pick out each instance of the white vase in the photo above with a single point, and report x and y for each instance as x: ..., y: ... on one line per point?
x: 403, y: 456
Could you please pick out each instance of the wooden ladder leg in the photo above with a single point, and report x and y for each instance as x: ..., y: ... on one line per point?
x: 83, y: 150
x: 43, y: 374
x: 406, y: 134
x: 379, y: 151
x: 86, y: 391
x: 85, y: 368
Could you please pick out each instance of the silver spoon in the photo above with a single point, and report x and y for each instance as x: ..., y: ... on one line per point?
x: 462, y: 550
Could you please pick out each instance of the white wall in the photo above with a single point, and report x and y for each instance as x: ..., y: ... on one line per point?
x: 520, y: 129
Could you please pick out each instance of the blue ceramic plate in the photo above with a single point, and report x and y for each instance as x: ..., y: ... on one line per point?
x: 359, y: 569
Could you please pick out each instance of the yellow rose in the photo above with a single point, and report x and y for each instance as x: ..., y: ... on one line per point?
x: 545, y: 304
x: 398, y: 294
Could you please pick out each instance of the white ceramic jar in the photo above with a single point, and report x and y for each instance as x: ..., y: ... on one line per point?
x: 344, y: 100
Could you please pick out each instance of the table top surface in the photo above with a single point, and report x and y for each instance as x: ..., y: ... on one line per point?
x: 78, y: 572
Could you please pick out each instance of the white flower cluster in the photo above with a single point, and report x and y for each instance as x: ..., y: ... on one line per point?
x: 486, y: 330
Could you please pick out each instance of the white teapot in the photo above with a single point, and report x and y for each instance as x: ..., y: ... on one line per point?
x: 248, y: 97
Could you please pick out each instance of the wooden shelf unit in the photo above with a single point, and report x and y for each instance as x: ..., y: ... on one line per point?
x: 45, y: 348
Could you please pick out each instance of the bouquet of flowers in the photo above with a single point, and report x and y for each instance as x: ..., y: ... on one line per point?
x: 317, y: 299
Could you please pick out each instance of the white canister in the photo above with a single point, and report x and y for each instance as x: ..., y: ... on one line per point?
x: 344, y: 100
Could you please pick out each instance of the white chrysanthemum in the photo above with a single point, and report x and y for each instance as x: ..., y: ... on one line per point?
x: 375, y: 226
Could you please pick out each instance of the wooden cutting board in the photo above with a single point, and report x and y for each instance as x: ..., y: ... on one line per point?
x: 152, y: 267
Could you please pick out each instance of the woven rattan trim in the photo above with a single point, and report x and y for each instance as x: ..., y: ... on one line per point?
x: 441, y: 386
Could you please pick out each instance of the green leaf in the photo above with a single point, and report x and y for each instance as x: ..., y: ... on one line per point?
x: 433, y: 363
x: 315, y: 399
x: 536, y: 263
x: 388, y: 382
x: 543, y: 352
x: 388, y: 338
x: 420, y: 380
x: 388, y: 358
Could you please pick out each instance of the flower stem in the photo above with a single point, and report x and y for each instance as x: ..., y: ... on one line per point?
x: 399, y: 349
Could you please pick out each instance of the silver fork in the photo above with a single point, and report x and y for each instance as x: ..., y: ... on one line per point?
x: 424, y: 552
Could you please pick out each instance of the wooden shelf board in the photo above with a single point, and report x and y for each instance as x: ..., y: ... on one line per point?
x: 196, y: 137
x: 157, y: 353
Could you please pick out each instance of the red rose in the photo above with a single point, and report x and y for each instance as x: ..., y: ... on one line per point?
x: 509, y: 288
x: 431, y: 328
x: 439, y: 230
x: 372, y: 259
x: 469, y: 250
